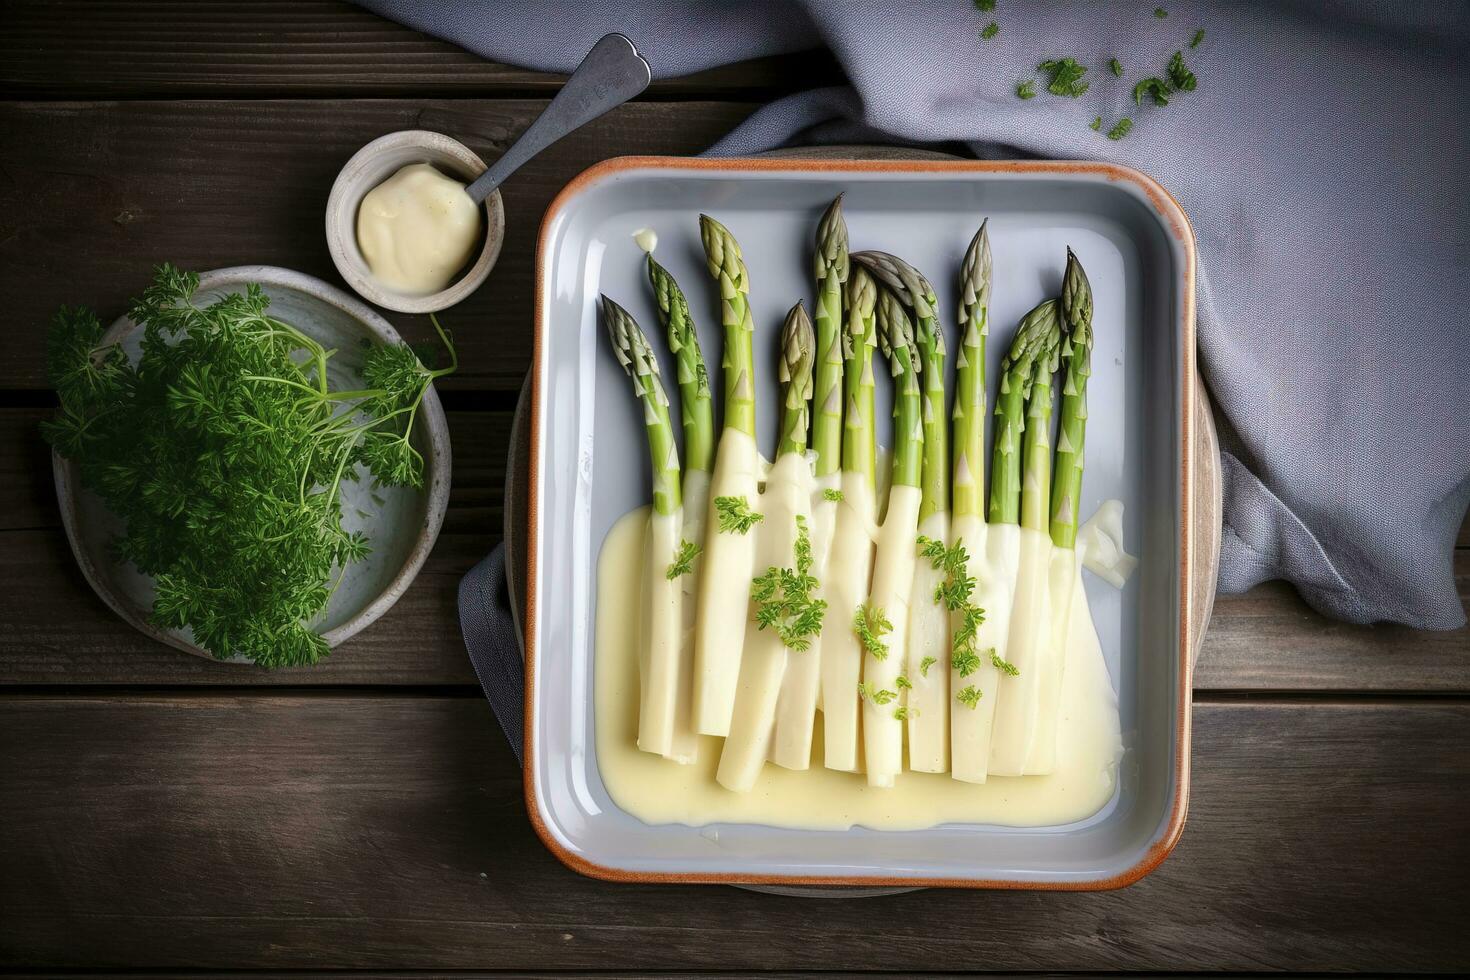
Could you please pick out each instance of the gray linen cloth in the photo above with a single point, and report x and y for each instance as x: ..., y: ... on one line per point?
x: 1322, y: 160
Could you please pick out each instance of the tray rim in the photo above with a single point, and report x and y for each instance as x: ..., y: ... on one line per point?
x: 1175, y: 223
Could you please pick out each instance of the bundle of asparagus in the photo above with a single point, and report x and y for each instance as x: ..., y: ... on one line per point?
x: 787, y: 614
x: 954, y: 634
x: 791, y: 742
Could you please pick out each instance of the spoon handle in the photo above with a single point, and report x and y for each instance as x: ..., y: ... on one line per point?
x: 611, y: 74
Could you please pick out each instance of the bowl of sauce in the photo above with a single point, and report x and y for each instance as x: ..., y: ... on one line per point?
x: 401, y: 229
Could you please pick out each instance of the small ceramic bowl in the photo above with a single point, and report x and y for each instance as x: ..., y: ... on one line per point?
x: 372, y: 165
x: 401, y: 523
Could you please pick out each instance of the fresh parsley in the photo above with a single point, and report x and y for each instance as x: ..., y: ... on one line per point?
x: 836, y: 496
x: 1066, y: 77
x: 1116, y: 67
x: 1156, y: 88
x: 784, y: 599
x: 903, y: 712
x: 1120, y: 129
x: 991, y: 29
x: 1096, y: 124
x: 1026, y: 90
x: 870, y: 692
x: 735, y: 515
x: 985, y: 6
x: 683, y: 562
x: 1199, y: 36
x: 969, y: 696
x: 1180, y: 77
x: 903, y: 683
x: 223, y: 450
x: 925, y: 664
x: 955, y: 594
x: 870, y: 625
x: 1160, y: 13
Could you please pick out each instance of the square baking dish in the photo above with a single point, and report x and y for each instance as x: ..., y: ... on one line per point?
x: 587, y: 469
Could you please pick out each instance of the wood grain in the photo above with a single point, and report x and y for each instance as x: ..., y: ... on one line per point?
x: 92, y: 195
x: 383, y: 832
x: 82, y: 49
x: 55, y: 631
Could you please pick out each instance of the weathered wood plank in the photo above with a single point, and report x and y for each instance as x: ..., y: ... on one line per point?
x: 1270, y: 640
x: 386, y: 832
x: 92, y: 195
x: 321, y: 48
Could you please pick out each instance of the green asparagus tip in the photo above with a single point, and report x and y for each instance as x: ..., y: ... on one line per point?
x: 722, y: 253
x: 798, y: 353
x: 975, y: 279
x: 832, y: 257
x: 907, y: 283
x: 632, y: 350
x: 896, y: 331
x: 1077, y: 297
x: 862, y: 300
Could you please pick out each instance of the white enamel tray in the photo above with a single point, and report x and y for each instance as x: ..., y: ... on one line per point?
x: 587, y: 469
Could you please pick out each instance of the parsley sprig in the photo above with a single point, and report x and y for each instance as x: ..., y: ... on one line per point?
x: 1066, y: 77
x: 871, y: 625
x: 955, y: 594
x: 870, y: 692
x: 224, y: 449
x: 683, y: 562
x: 784, y: 597
x: 735, y: 515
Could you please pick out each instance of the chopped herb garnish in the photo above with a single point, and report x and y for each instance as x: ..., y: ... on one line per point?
x: 1158, y: 89
x: 836, y: 496
x: 1116, y: 67
x: 784, y: 600
x: 683, y: 562
x: 985, y: 6
x: 1179, y: 74
x: 1160, y: 13
x: 965, y: 661
x: 735, y: 515
x: 969, y: 697
x: 1026, y: 90
x: 1096, y: 124
x: 904, y: 712
x: 1120, y: 129
x: 1199, y: 36
x: 991, y: 29
x: 1066, y: 77
x: 870, y: 624
x: 903, y: 683
x: 870, y: 692
x: 925, y: 664
x: 954, y: 593
x: 1003, y: 665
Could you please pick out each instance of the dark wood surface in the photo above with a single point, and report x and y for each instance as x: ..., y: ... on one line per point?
x: 160, y: 811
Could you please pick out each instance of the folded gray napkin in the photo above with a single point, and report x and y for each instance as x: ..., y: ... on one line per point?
x: 1322, y: 160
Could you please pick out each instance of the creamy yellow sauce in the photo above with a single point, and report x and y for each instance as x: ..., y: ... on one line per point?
x: 417, y: 229
x: 657, y: 790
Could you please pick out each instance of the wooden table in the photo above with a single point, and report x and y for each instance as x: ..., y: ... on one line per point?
x: 161, y: 811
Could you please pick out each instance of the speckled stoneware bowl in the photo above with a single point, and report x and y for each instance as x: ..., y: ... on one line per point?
x: 372, y: 165
x: 401, y: 523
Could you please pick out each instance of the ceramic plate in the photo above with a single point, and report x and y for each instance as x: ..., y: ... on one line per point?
x: 401, y: 524
x: 587, y: 469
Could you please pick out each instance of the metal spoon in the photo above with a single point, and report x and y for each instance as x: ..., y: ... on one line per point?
x: 611, y: 74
